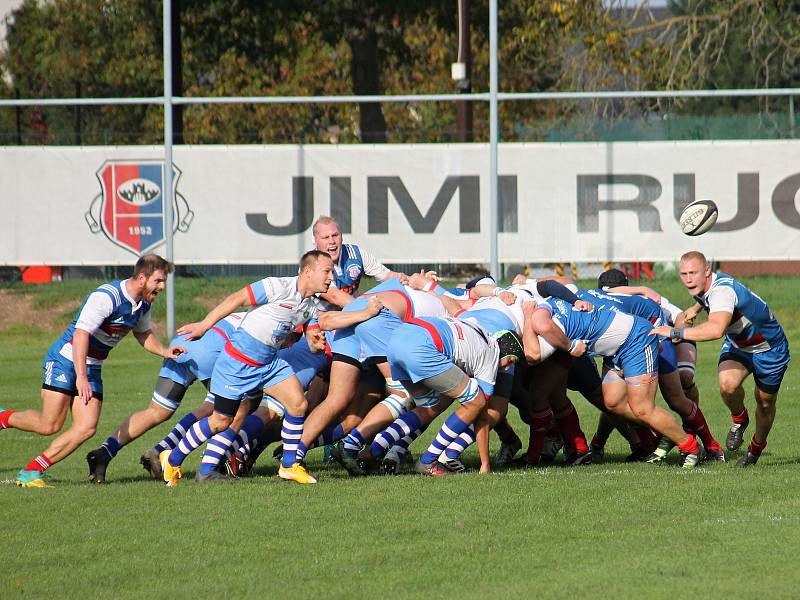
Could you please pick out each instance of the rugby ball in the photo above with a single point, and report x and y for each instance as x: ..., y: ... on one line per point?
x: 698, y: 217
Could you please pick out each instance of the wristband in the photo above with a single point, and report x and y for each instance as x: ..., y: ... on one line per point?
x: 676, y: 333
x: 497, y: 291
x: 572, y: 346
x: 428, y: 286
x: 434, y: 287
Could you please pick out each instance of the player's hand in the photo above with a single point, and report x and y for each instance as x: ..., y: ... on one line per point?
x: 519, y: 280
x: 662, y: 330
x: 403, y: 278
x: 192, y: 331
x: 374, y: 305
x: 174, y: 352
x: 507, y: 297
x: 583, y: 306
x: 418, y: 281
x: 528, y: 308
x: 689, y: 315
x: 84, y: 388
x: 432, y: 275
x: 579, y: 349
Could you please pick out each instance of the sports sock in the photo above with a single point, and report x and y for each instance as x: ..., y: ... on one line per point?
x: 4, y: 417
x: 332, y: 434
x: 690, y: 445
x: 111, y: 446
x: 216, y: 450
x: 291, y: 432
x: 458, y: 445
x: 756, y: 448
x: 40, y: 463
x: 176, y: 434
x: 570, y: 426
x: 354, y: 441
x: 599, y: 441
x: 402, y: 426
x: 647, y: 440
x: 540, y: 423
x: 450, y: 430
x: 742, y: 418
x: 195, y: 436
x: 696, y: 421
x: 251, y: 427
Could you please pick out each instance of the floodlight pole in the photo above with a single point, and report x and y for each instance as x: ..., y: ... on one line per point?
x: 167, y: 192
x: 494, y: 265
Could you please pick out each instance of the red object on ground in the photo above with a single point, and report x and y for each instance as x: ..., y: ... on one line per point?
x: 40, y: 274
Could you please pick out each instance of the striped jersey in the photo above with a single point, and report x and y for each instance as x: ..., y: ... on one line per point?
x: 753, y: 327
x: 108, y: 313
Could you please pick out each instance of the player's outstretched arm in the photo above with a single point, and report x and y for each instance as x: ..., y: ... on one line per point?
x: 713, y: 329
x: 335, y: 319
x: 194, y: 331
x: 80, y: 348
x: 530, y: 341
x: 151, y: 343
x: 637, y: 290
x: 337, y: 297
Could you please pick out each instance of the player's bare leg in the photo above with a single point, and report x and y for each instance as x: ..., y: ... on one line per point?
x: 50, y: 420
x: 731, y: 375
x: 343, y: 386
x: 290, y: 394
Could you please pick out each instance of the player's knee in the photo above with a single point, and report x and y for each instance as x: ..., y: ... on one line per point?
x: 729, y: 387
x: 85, y: 431
x: 397, y: 405
x: 218, y: 422
x: 642, y: 412
x: 49, y: 427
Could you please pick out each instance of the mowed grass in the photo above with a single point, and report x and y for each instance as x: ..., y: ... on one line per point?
x: 606, y: 530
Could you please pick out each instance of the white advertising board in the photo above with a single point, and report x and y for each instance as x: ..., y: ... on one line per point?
x: 404, y: 203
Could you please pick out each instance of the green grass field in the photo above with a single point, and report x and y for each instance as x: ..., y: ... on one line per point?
x: 606, y: 530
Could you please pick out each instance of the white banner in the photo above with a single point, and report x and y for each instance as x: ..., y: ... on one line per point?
x: 404, y: 203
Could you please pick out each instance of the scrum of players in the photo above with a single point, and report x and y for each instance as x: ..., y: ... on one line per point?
x: 311, y: 363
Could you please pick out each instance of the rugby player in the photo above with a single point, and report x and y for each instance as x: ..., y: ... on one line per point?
x: 72, y: 365
x: 754, y: 343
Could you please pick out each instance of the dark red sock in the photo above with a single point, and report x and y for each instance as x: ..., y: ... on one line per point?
x: 4, y: 417
x: 40, y: 463
x: 646, y: 438
x: 698, y: 425
x: 570, y: 426
x: 598, y: 441
x: 690, y: 445
x: 540, y: 423
x: 756, y: 448
x: 742, y: 418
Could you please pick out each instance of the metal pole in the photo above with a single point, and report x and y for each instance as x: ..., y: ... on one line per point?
x: 167, y: 194
x: 494, y: 265
x: 464, y: 109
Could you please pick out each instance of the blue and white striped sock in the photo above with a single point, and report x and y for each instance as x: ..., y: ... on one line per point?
x: 112, y: 446
x: 251, y: 427
x: 354, y: 441
x: 451, y: 429
x: 195, y: 436
x: 217, y: 450
x: 291, y: 432
x: 176, y: 434
x: 402, y: 426
x: 457, y: 447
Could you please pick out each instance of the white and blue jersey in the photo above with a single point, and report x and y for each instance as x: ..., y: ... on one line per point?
x: 610, y: 333
x: 426, y: 347
x: 367, y: 340
x: 754, y: 337
x: 107, y: 314
x: 250, y: 357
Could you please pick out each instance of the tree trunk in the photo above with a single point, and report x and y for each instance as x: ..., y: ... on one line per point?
x: 366, y: 81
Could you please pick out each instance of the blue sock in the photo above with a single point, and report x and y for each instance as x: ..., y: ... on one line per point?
x: 451, y: 429
x: 401, y: 427
x: 177, y: 433
x: 251, y: 427
x: 458, y: 445
x: 195, y: 436
x: 332, y: 434
x: 112, y: 446
x: 291, y: 432
x: 217, y: 450
x: 354, y: 441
